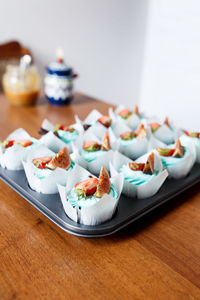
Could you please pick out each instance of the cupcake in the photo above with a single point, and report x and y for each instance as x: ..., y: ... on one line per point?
x: 128, y: 117
x: 95, y: 118
x: 58, y: 136
x: 131, y: 143
x: 165, y: 132
x: 90, y: 152
x: 135, y: 143
x: 15, y: 148
x: 189, y: 137
x: 44, y: 169
x: 178, y: 159
x: 89, y: 200
x: 143, y: 177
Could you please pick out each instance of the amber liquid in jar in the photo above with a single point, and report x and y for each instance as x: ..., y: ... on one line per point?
x: 21, y: 89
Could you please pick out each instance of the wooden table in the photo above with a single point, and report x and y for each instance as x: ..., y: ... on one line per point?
x: 156, y: 258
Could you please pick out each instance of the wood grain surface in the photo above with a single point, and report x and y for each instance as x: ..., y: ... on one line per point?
x: 156, y: 258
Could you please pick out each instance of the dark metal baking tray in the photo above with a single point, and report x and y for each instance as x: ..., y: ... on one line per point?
x: 128, y: 211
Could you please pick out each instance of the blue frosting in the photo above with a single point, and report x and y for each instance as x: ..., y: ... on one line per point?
x: 67, y: 136
x: 43, y: 173
x: 135, y: 177
x: 169, y: 161
x: 89, y: 200
x: 127, y: 143
x: 91, y: 156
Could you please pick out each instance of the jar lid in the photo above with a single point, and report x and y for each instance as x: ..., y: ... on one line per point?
x: 60, y: 69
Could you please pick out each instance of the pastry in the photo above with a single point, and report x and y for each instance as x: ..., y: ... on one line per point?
x: 143, y: 177
x: 89, y: 200
x: 178, y: 159
x: 58, y: 136
x: 44, y: 169
x: 15, y: 148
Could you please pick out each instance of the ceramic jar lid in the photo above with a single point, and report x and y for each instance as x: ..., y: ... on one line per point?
x: 59, y: 67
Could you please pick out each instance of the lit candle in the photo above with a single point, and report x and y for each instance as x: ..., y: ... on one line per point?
x: 60, y: 55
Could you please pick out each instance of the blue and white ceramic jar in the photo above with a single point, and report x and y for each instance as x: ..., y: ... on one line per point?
x: 58, y: 82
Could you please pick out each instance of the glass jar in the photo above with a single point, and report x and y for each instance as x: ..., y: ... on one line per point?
x: 21, y: 88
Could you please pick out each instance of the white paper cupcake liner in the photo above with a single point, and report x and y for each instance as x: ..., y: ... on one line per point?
x: 139, y: 146
x: 92, y: 119
x: 96, y: 214
x: 145, y: 190
x: 166, y: 135
x: 53, y: 142
x: 47, y: 185
x: 12, y: 157
x: 154, y: 143
x: 47, y: 125
x: 99, y: 131
x: 187, y: 140
x: 95, y: 165
x: 184, y: 165
x: 133, y: 121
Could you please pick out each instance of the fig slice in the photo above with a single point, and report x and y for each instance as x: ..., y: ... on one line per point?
x: 178, y: 149
x: 86, y: 187
x: 125, y: 113
x: 61, y: 160
x: 149, y: 166
x: 141, y: 132
x: 7, y: 144
x: 64, y: 128
x: 154, y: 126
x: 192, y: 134
x: 41, y: 162
x: 136, y: 110
x: 136, y: 166
x: 103, y: 186
x: 91, y: 146
x: 105, y: 143
x: 166, y: 122
x: 128, y: 135
x: 23, y: 143
x: 105, y: 121
x: 165, y: 151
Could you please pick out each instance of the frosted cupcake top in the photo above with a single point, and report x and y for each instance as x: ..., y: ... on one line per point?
x: 88, y: 192
x: 66, y: 133
x: 92, y: 150
x: 172, y: 155
x: 139, y: 173
x: 44, y: 166
x: 23, y: 143
x: 129, y: 137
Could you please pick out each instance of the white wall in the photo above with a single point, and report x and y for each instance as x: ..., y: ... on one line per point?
x: 103, y: 40
x: 126, y: 51
x: 170, y: 84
